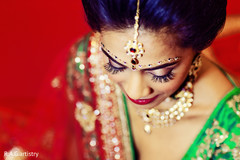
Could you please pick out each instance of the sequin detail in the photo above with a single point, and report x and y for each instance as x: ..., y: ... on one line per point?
x: 234, y: 103
x: 84, y: 114
x: 108, y: 103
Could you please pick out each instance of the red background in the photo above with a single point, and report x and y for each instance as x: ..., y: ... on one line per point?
x: 32, y: 33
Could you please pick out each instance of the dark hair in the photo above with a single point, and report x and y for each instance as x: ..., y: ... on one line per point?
x: 195, y: 22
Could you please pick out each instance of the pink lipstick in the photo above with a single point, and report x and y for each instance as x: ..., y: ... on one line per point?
x: 143, y: 101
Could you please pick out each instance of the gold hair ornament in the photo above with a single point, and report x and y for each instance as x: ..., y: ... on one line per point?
x: 133, y: 47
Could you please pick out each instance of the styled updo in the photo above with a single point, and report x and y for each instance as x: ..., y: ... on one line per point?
x: 195, y: 23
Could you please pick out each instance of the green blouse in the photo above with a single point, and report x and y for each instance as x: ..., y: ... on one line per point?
x: 220, y: 136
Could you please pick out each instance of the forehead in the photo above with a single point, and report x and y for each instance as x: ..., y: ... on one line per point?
x: 158, y: 45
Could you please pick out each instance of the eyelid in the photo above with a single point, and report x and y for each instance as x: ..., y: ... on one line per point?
x: 168, y: 70
x: 163, y: 79
x: 113, y: 64
x: 112, y: 60
x: 111, y: 69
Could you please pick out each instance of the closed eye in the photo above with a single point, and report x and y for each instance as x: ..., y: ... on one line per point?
x: 112, y: 69
x: 163, y: 78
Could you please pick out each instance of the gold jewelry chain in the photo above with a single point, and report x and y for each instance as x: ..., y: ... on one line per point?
x: 136, y: 25
x: 133, y: 47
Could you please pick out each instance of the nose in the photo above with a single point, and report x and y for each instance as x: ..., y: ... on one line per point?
x: 135, y: 85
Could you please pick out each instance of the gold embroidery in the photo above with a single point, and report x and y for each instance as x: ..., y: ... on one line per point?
x: 236, y: 151
x: 236, y: 138
x: 105, y: 101
x: 108, y: 104
x: 85, y: 116
x: 213, y: 144
x: 215, y: 135
x: 234, y: 103
x: 80, y: 94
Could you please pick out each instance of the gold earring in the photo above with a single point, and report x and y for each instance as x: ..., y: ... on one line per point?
x: 197, y: 63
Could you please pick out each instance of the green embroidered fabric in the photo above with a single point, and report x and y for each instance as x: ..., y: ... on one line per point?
x: 220, y: 136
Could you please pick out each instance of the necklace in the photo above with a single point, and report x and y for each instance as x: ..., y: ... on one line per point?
x: 153, y: 118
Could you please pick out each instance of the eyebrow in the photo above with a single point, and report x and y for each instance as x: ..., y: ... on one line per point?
x: 145, y: 69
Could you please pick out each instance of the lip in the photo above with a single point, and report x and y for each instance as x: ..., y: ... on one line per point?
x: 143, y: 101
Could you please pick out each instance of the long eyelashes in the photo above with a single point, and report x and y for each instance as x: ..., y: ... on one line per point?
x: 113, y: 70
x: 164, y: 78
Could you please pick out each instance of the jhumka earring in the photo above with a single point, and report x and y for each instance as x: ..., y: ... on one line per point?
x: 133, y: 47
x: 153, y: 118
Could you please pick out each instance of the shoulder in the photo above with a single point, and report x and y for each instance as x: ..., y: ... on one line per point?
x: 221, y: 137
x: 215, y: 77
x: 212, y: 84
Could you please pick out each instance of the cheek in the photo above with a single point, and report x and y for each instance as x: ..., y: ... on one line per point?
x: 173, y: 85
x: 167, y: 88
x: 117, y: 78
x: 104, y: 58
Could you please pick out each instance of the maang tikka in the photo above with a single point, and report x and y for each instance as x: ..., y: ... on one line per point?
x: 133, y: 47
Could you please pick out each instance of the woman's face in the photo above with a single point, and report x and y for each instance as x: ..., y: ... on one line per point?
x: 149, y: 86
